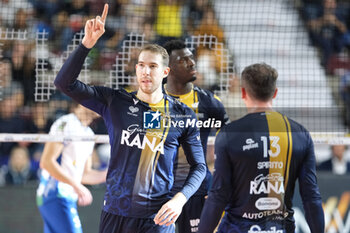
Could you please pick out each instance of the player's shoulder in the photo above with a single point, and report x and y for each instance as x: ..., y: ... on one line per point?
x: 177, y: 106
x: 296, y: 126
x: 206, y: 96
x: 64, y: 122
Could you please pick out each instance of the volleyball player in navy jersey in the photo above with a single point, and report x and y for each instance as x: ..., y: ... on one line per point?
x: 258, y: 160
x: 208, y: 108
x: 144, y: 138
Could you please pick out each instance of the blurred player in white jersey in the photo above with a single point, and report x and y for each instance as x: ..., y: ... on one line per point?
x: 65, y: 168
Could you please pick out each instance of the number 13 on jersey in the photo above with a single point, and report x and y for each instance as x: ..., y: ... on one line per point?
x: 275, y: 147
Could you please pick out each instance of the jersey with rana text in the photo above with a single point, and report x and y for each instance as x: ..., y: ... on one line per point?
x: 258, y: 160
x: 144, y: 140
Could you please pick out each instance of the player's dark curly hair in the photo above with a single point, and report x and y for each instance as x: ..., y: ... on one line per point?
x: 174, y: 45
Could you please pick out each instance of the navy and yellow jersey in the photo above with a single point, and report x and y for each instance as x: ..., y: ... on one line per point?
x: 211, y: 112
x: 258, y: 160
x: 144, y: 140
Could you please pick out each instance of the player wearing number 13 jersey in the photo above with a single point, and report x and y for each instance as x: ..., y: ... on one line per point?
x: 258, y: 160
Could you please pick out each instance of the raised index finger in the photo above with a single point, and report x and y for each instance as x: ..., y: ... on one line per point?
x: 104, y: 13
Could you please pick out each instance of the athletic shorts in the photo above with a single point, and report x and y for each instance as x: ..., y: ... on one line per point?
x: 111, y: 223
x: 60, y: 215
x: 188, y: 220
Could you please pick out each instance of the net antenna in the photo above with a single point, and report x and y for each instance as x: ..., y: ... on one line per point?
x: 44, y: 86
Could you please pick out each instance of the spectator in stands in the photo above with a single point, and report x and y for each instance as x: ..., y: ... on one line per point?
x: 311, y: 9
x: 232, y: 100
x: 344, y: 92
x: 23, y: 68
x: 210, y: 25
x: 337, y: 163
x: 5, y: 73
x: 196, y: 11
x: 207, y: 75
x: 328, y: 31
x: 168, y: 23
x: 8, y: 9
x: 11, y: 120
x: 215, y: 41
x: 79, y: 7
x: 19, y: 170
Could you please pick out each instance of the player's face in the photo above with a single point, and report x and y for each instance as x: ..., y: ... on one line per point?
x: 182, y: 65
x: 150, y: 71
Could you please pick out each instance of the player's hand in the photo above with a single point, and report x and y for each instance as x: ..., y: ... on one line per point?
x: 94, y: 29
x: 170, y: 211
x: 84, y: 195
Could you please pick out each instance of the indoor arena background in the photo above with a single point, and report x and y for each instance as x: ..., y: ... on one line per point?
x: 36, y: 36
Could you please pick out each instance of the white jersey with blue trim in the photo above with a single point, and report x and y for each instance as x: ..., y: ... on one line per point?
x: 72, y: 158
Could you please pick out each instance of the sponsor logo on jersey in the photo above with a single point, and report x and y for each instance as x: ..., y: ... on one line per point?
x: 135, y: 101
x: 133, y: 110
x: 266, y: 184
x: 194, y: 224
x: 257, y: 229
x: 279, y: 214
x: 267, y: 203
x: 250, y: 144
x: 195, y: 105
x: 151, y: 120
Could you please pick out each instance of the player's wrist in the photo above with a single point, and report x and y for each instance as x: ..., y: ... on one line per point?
x: 180, y: 198
x: 88, y: 43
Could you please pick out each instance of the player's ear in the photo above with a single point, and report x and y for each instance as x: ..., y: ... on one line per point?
x: 166, y: 71
x: 275, y: 94
x: 244, y: 93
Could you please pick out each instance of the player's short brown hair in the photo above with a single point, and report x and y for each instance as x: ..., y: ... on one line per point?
x: 157, y: 49
x: 259, y: 80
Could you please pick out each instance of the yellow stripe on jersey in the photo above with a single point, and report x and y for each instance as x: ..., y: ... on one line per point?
x: 190, y: 99
x: 217, y: 97
x: 280, y: 151
x: 149, y: 158
x: 286, y: 177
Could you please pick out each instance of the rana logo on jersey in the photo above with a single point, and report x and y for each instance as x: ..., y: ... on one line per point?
x: 151, y: 120
x: 266, y: 184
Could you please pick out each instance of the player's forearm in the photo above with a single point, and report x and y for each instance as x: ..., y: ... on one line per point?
x: 314, y: 216
x: 56, y: 171
x: 194, y: 179
x: 93, y: 177
x: 71, y: 69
